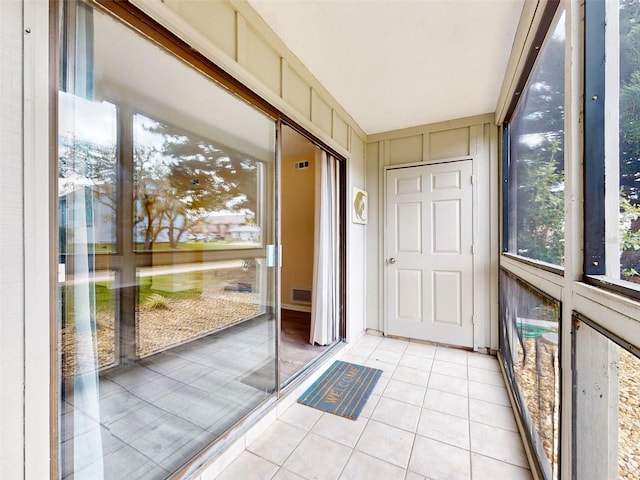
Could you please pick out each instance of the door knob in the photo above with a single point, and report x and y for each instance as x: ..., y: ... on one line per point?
x: 392, y: 261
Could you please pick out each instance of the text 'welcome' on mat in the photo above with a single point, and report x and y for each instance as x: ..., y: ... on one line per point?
x: 342, y: 390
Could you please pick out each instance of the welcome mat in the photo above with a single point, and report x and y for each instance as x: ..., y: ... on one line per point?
x: 342, y: 390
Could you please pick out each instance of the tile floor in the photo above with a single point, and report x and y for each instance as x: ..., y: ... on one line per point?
x: 436, y: 413
x: 187, y: 395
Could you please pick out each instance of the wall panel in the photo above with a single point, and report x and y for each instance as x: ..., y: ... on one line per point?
x: 297, y: 93
x: 405, y: 150
x: 262, y: 60
x: 449, y: 143
x: 11, y: 247
x: 340, y: 130
x: 321, y: 113
x: 215, y: 20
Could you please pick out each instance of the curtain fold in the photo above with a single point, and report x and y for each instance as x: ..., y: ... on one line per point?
x: 324, y: 317
x: 83, y: 450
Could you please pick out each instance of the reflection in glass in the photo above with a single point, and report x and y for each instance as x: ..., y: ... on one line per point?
x: 87, y: 159
x: 168, y: 336
x: 176, y: 305
x: 191, y: 192
x: 529, y: 342
x: 536, y: 169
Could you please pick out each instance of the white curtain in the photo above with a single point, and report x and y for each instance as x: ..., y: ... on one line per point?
x: 87, y: 440
x: 85, y: 453
x: 324, y: 317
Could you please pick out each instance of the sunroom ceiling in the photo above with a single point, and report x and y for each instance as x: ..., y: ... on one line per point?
x: 398, y: 63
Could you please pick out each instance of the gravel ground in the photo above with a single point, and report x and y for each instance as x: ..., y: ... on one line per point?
x: 538, y: 388
x: 629, y: 417
x: 538, y: 383
x: 158, y: 329
x: 185, y: 320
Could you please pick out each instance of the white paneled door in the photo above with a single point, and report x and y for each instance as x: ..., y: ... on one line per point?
x: 429, y: 245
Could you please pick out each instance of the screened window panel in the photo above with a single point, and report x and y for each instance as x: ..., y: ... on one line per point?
x: 535, y: 219
x: 529, y: 342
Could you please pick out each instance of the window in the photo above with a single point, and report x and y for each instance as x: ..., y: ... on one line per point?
x: 534, y: 171
x: 529, y: 343
x: 612, y: 143
x: 166, y: 208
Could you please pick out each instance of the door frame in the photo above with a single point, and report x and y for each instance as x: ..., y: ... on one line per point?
x: 478, y: 324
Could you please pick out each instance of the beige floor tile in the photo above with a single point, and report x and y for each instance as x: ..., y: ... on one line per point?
x: 421, y: 350
x: 492, y: 414
x: 362, y: 467
x: 485, y: 468
x: 439, y: 461
x: 387, y: 356
x: 444, y: 428
x: 415, y: 476
x: 405, y: 392
x: 447, y: 403
x: 386, y: 443
x: 483, y: 375
x: 386, y: 367
x: 446, y: 383
x: 370, y: 406
x: 354, y: 358
x: 463, y: 420
x: 393, y: 344
x: 479, y: 360
x: 318, y: 458
x: 489, y: 393
x: 248, y: 465
x: 452, y: 355
x: 397, y: 414
x: 411, y: 375
x: 449, y: 369
x: 301, y: 416
x: 340, y: 429
x: 416, y: 361
x: 284, y: 474
x: 497, y: 443
x: 381, y: 384
x: 277, y: 442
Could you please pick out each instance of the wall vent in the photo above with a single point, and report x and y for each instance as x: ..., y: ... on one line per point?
x: 301, y: 296
x: 301, y: 165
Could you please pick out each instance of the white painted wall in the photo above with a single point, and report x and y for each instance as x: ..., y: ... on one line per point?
x: 24, y: 246
x: 11, y: 246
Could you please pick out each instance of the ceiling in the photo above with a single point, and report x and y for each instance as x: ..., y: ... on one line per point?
x: 399, y: 63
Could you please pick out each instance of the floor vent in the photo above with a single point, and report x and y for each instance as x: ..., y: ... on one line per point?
x: 301, y: 296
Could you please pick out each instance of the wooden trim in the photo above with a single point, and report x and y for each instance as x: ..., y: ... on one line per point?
x: 548, y: 14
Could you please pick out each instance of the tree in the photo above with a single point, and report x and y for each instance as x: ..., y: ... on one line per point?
x: 541, y: 200
x: 187, y: 178
x: 537, y: 183
x: 629, y: 137
x: 89, y: 166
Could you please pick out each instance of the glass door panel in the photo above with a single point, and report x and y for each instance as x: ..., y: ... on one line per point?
x: 166, y: 211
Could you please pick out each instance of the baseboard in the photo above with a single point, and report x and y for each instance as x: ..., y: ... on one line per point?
x: 296, y: 308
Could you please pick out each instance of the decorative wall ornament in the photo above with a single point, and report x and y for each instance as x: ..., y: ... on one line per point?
x: 360, y: 206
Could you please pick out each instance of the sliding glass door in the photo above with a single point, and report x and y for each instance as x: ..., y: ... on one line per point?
x: 166, y: 212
